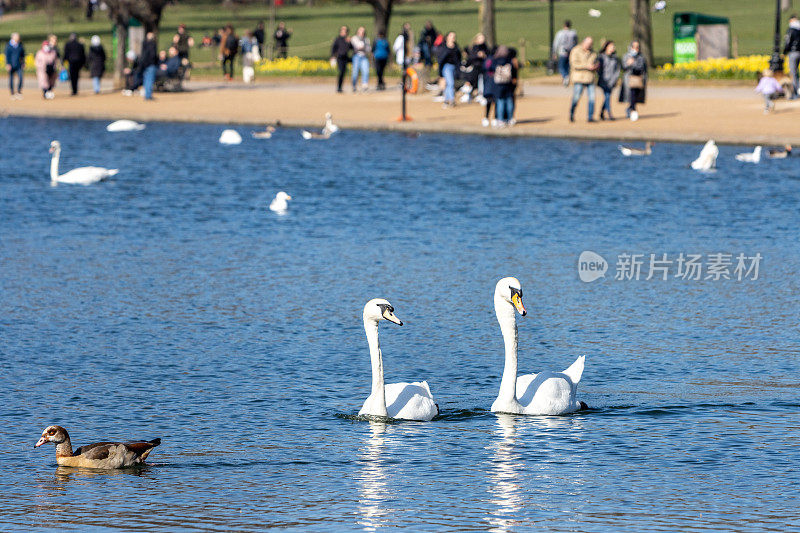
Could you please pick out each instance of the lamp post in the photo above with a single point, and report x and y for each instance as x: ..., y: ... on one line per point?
x: 776, y: 62
x: 551, y: 68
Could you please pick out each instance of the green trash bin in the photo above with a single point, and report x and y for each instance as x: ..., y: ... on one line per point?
x: 696, y: 36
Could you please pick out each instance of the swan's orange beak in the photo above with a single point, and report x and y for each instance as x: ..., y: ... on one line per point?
x: 516, y: 299
x: 52, y: 150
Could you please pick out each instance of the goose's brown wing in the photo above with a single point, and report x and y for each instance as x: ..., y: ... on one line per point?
x: 142, y: 448
x: 95, y: 451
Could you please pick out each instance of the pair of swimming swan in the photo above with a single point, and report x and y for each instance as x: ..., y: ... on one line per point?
x: 546, y: 393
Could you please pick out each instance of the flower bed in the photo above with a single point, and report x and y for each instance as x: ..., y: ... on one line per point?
x: 29, y: 64
x: 296, y: 66
x: 741, y: 68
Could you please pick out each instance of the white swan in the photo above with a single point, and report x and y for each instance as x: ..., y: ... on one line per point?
x: 230, y: 137
x: 329, y: 129
x: 707, y: 158
x: 408, y: 401
x: 750, y: 157
x: 280, y: 204
x: 78, y: 176
x: 124, y: 125
x: 546, y: 393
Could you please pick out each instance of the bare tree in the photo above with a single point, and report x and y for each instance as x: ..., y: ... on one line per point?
x: 642, y: 28
x: 382, y: 10
x: 148, y: 12
x: 486, y: 14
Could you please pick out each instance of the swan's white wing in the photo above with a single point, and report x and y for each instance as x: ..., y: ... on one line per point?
x: 410, y: 401
x: 547, y: 393
x: 575, y: 370
x: 625, y: 151
x: 87, y: 175
x: 306, y: 134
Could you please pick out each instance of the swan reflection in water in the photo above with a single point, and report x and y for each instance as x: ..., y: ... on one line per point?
x: 504, y: 476
x: 512, y: 497
x: 372, y: 480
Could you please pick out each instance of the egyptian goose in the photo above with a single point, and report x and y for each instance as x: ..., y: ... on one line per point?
x: 777, y: 153
x: 628, y: 151
x: 264, y: 134
x: 104, y: 455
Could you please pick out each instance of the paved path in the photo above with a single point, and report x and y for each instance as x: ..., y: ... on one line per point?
x: 728, y: 114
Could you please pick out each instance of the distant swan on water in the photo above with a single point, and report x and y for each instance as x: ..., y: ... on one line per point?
x: 407, y: 401
x: 750, y: 157
x: 230, y: 137
x: 78, y: 176
x: 329, y: 129
x: 280, y: 204
x: 124, y: 125
x: 707, y: 158
x: 546, y: 393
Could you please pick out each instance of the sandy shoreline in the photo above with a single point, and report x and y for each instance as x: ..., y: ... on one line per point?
x: 673, y: 113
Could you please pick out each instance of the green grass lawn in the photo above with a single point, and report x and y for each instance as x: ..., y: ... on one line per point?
x: 315, y: 27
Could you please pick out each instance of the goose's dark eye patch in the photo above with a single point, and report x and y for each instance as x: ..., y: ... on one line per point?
x: 51, y: 432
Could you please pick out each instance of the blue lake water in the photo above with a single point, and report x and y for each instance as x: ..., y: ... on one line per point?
x: 169, y: 302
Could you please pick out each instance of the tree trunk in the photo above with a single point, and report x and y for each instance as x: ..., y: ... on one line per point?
x: 382, y: 11
x: 119, y: 60
x: 642, y: 29
x: 486, y: 14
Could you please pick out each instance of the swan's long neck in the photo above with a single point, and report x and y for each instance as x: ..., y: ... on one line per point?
x: 378, y: 394
x: 508, y: 326
x: 54, y: 165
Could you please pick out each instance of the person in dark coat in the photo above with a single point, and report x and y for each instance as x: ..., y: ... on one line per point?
x: 15, y: 63
x: 792, y: 50
x: 340, y: 54
x: 505, y: 77
x: 97, y: 62
x: 608, y: 76
x: 229, y: 49
x: 282, y: 36
x: 634, y: 84
x: 75, y: 56
x: 148, y: 62
x: 258, y: 33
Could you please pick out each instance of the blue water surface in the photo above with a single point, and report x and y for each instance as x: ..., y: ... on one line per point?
x: 169, y: 302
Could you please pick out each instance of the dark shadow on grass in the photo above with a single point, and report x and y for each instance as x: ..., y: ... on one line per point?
x: 535, y: 120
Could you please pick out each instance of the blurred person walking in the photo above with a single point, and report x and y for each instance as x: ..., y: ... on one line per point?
x: 229, y: 47
x: 340, y: 55
x: 565, y: 40
x: 361, y: 51
x: 97, y: 62
x: 449, y: 59
x: 259, y: 34
x: 381, y: 55
x: 583, y: 64
x: 46, y: 61
x: 505, y: 78
x: 148, y: 62
x: 635, y: 80
x: 608, y: 69
x: 249, y: 46
x: 182, y: 42
x: 400, y: 46
x: 75, y: 56
x: 281, y: 37
x: 792, y: 51
x: 15, y: 64
x: 426, y: 39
